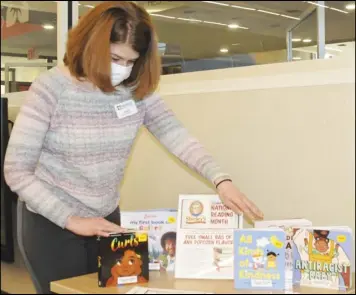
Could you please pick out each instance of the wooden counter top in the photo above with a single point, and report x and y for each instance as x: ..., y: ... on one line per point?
x: 88, y: 284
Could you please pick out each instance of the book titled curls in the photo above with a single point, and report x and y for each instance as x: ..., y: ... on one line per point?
x: 123, y: 259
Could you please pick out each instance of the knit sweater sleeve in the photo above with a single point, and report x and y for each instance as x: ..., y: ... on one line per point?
x: 163, y: 124
x: 24, y: 150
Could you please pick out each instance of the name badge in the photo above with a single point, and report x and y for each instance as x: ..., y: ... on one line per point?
x: 125, y: 109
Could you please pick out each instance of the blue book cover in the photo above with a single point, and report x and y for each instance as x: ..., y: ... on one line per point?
x: 259, y: 261
x: 323, y: 257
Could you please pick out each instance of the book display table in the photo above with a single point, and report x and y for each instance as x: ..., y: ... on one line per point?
x: 88, y: 284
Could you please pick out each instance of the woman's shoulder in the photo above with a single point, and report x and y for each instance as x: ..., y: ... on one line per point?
x: 51, y: 79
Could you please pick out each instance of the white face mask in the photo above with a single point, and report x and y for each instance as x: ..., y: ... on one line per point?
x: 119, y: 73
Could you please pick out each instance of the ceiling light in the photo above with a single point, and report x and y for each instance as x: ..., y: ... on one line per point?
x: 224, y: 50
x: 235, y: 44
x: 288, y: 16
x: 350, y: 6
x: 307, y: 40
x: 217, y: 3
x: 214, y: 23
x: 317, y: 4
x: 242, y: 7
x: 268, y: 12
x: 339, y: 10
x: 296, y: 40
x: 296, y: 58
x: 89, y: 6
x: 233, y: 26
x: 164, y: 16
x: 48, y: 27
x: 190, y: 19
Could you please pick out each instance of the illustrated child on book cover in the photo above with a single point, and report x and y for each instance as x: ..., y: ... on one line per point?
x: 323, y: 258
x: 129, y: 265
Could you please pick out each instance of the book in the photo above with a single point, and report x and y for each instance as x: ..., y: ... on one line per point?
x: 205, y: 238
x: 143, y: 290
x: 287, y: 225
x: 323, y: 257
x: 259, y: 259
x: 161, y: 226
x: 123, y: 259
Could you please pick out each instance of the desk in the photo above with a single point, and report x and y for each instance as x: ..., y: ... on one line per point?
x: 88, y: 284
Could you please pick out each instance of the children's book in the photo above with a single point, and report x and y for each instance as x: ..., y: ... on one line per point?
x: 123, y: 259
x: 205, y: 238
x: 287, y: 225
x: 161, y: 226
x: 323, y: 257
x: 259, y: 259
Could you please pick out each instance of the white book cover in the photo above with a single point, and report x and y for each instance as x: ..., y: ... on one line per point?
x: 161, y: 226
x: 287, y: 225
x: 205, y: 238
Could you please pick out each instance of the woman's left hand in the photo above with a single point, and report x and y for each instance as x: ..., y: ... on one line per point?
x: 238, y: 202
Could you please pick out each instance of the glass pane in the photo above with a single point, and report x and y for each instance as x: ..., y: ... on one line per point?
x: 204, y: 35
x: 28, y: 34
x: 340, y: 28
x: 304, y: 38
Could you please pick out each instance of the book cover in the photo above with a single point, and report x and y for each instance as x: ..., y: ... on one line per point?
x: 205, y: 238
x: 322, y: 257
x: 123, y: 259
x: 161, y: 226
x: 287, y: 225
x: 259, y: 259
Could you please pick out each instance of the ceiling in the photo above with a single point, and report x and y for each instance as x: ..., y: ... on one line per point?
x: 200, y: 28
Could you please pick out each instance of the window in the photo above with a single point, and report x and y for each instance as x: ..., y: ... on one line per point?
x: 28, y: 35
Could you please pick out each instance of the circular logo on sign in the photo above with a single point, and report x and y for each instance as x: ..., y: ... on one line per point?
x: 196, y: 208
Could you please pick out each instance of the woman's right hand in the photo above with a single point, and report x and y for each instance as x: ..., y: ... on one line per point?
x: 89, y: 227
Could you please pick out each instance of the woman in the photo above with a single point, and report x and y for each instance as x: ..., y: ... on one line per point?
x: 74, y: 133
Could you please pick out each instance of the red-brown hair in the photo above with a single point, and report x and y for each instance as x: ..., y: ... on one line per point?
x: 88, y: 46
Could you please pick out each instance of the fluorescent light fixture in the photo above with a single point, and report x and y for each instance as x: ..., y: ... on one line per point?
x: 350, y: 6
x: 224, y: 50
x: 243, y: 7
x: 48, y: 27
x: 190, y: 19
x: 217, y: 3
x: 307, y: 40
x: 233, y: 26
x: 164, y: 16
x: 235, y: 44
x: 268, y: 12
x: 288, y: 16
x: 89, y: 6
x: 317, y: 4
x: 339, y: 10
x: 296, y: 58
x: 296, y: 40
x: 214, y: 23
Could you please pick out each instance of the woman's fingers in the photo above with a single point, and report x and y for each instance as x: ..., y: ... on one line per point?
x: 110, y: 227
x: 257, y: 213
x: 234, y: 207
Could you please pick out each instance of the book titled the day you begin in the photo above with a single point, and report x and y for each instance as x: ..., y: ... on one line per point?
x: 259, y: 259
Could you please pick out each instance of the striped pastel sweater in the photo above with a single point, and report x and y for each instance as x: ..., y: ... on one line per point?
x: 68, y: 149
